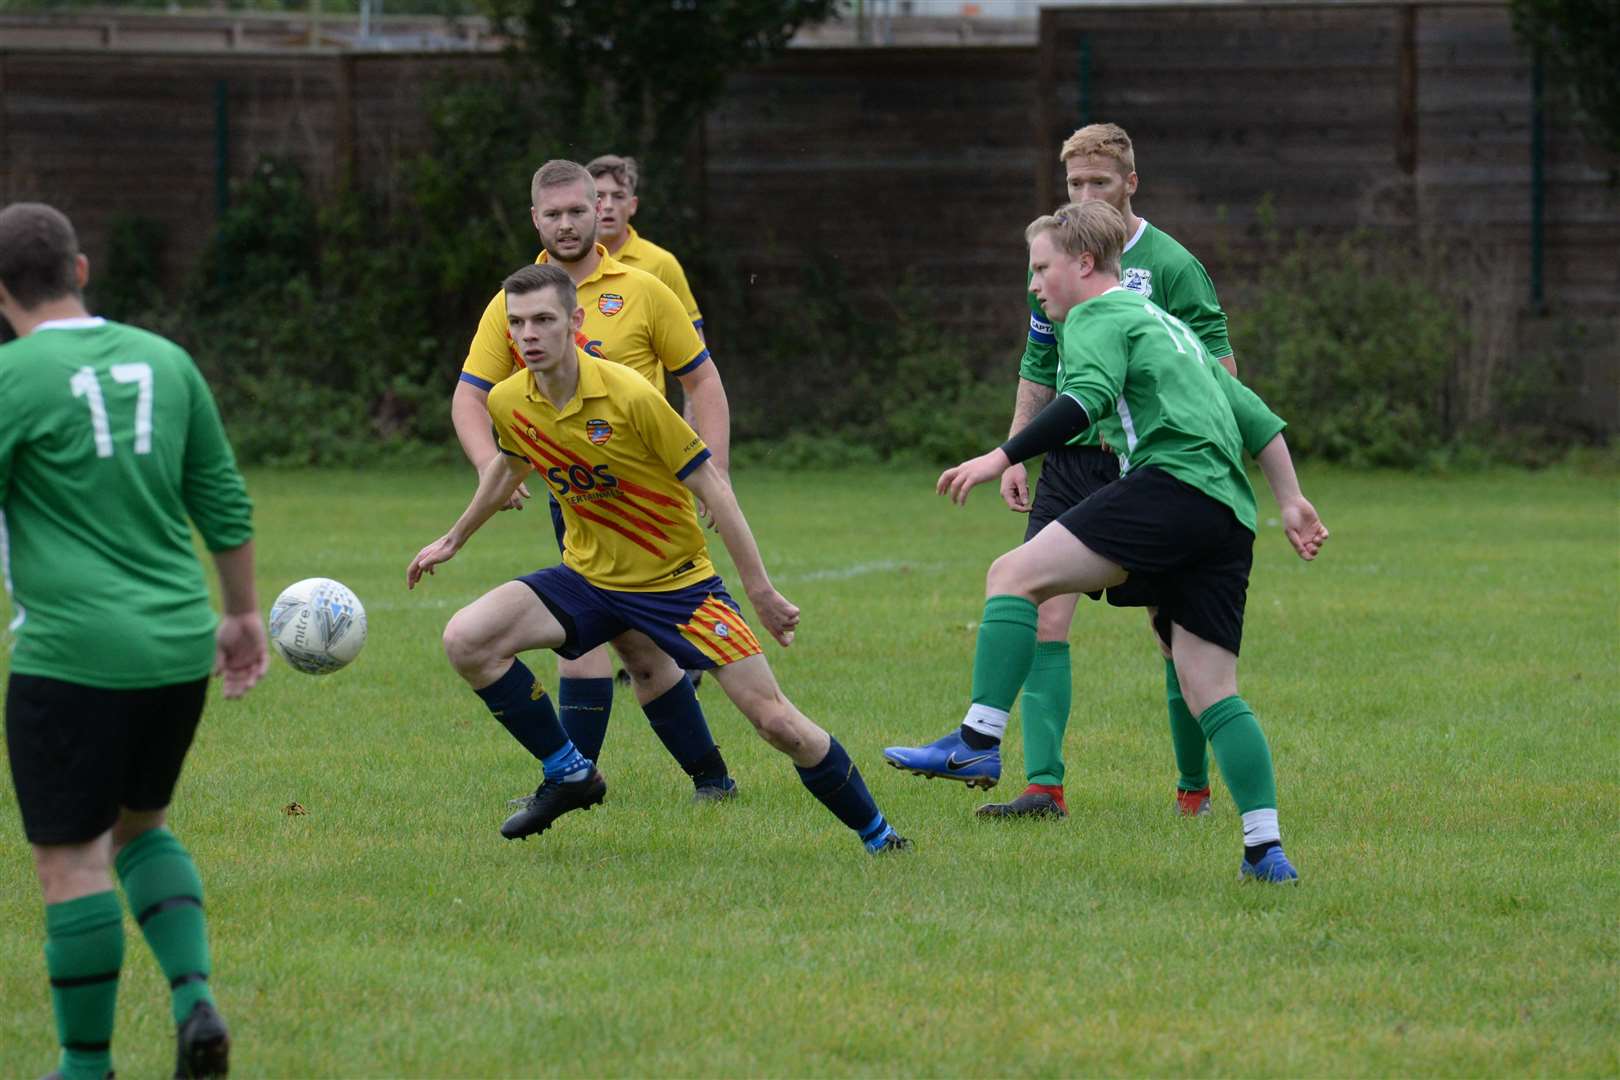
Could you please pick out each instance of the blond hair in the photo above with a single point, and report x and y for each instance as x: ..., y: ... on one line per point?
x: 1101, y: 140
x: 1077, y: 228
x: 556, y: 173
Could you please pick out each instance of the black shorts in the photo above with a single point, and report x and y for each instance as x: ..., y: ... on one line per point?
x: 78, y: 753
x: 1068, y: 475
x: 1187, y: 554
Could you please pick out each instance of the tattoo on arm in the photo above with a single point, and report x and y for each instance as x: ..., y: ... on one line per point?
x: 1032, y: 398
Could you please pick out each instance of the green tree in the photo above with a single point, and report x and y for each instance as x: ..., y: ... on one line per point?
x: 646, y: 70
x: 1580, y: 41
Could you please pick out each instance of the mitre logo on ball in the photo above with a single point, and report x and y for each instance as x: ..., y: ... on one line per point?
x: 317, y: 625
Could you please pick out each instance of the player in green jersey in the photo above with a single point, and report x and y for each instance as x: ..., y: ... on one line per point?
x: 1099, y: 164
x: 111, y: 449
x: 1175, y: 532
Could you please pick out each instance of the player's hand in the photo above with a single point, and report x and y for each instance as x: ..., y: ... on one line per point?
x: 958, y: 480
x: 441, y: 550
x: 516, y: 500
x: 780, y: 616
x: 1015, y: 488
x: 704, y: 514
x: 1302, y: 527
x: 241, y: 653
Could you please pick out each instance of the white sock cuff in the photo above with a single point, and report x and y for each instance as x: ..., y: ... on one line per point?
x: 1259, y: 827
x: 986, y: 721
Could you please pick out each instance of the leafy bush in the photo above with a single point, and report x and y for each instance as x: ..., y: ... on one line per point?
x: 1353, y: 351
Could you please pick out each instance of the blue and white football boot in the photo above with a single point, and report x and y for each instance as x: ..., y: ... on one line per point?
x: 1273, y: 867
x: 950, y: 759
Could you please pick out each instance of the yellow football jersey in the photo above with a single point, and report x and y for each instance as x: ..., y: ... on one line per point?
x: 631, y: 318
x: 614, y: 457
x: 662, y: 264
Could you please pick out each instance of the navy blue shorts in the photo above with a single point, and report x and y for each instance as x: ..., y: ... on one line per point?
x: 700, y: 626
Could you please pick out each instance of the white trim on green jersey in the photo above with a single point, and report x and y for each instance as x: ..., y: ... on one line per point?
x: 1141, y: 227
x: 5, y: 572
x: 85, y: 322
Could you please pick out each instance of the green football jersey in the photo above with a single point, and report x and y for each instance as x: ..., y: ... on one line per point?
x: 111, y: 442
x: 1164, y: 400
x: 1154, y: 265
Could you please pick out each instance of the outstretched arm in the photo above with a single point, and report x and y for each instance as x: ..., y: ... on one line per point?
x: 779, y: 616
x: 1059, y: 422
x: 497, y: 480
x: 1301, y: 524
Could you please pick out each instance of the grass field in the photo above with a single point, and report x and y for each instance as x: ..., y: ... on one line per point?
x: 1441, y: 693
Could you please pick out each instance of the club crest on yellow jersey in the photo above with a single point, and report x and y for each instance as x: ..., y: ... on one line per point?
x: 598, y: 431
x: 610, y: 303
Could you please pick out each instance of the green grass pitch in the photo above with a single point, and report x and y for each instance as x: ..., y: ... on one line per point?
x: 1440, y: 691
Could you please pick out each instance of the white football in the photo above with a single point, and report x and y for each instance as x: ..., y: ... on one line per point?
x: 317, y: 625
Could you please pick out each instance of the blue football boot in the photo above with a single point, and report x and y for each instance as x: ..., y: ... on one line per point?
x: 951, y: 759
x: 1273, y: 867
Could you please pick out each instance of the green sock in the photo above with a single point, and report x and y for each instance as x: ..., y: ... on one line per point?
x: 1047, y: 691
x: 84, y: 950
x: 165, y: 895
x: 1003, y: 652
x: 1242, y: 753
x: 1186, y: 736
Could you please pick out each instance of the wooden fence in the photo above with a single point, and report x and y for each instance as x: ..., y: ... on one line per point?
x: 927, y: 162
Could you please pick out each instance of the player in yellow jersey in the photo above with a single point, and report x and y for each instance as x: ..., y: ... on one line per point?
x: 633, y: 319
x: 623, y: 465
x: 616, y: 178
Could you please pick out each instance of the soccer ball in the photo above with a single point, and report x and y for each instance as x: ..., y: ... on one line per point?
x: 317, y: 625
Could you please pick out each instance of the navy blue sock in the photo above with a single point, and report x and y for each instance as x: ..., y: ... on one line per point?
x: 584, y: 706
x: 677, y: 720
x: 838, y: 784
x: 520, y: 703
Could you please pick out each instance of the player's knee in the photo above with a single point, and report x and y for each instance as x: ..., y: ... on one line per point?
x: 1004, y: 577
x: 67, y: 871
x: 773, y: 717
x: 649, y: 667
x: 465, y: 648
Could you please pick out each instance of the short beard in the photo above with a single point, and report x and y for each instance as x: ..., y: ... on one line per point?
x: 585, y: 249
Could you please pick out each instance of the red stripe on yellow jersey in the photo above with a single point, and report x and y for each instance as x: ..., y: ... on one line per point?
x: 610, y: 457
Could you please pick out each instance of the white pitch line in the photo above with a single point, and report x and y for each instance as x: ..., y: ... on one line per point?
x: 881, y: 566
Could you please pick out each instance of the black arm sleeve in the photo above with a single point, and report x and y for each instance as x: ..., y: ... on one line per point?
x: 1055, y: 425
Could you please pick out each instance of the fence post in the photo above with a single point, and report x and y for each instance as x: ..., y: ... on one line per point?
x: 1406, y: 78
x: 343, y: 156
x: 1045, y: 107
x: 5, y: 141
x: 222, y: 147
x: 1538, y: 185
x: 1083, y: 91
